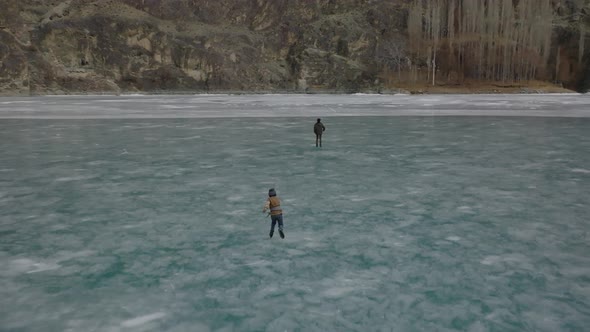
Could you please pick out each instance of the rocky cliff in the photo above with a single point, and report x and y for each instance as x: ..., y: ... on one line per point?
x: 114, y: 46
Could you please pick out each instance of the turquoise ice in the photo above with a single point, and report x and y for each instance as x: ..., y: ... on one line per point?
x: 143, y: 213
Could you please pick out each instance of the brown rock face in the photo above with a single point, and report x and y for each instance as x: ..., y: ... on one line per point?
x: 113, y: 46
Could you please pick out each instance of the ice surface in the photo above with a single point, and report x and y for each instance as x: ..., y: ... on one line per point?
x: 138, y: 222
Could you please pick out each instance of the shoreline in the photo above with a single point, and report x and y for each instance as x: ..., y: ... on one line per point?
x: 213, y: 94
x: 311, y: 93
x: 468, y: 88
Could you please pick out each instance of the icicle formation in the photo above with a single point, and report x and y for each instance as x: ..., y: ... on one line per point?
x: 498, y: 40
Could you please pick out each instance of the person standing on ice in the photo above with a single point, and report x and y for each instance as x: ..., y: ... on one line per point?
x: 318, y: 129
x: 273, y: 204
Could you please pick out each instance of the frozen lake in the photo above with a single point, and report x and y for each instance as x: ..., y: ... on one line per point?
x: 143, y: 213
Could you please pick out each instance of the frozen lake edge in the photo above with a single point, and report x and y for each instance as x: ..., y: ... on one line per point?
x: 289, y: 105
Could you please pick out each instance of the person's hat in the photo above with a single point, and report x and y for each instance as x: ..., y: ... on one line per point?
x: 272, y: 192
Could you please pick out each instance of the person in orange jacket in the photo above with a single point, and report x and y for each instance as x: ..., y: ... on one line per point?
x: 273, y: 205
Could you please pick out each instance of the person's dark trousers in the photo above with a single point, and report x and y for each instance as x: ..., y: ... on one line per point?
x: 278, y: 218
x: 318, y: 138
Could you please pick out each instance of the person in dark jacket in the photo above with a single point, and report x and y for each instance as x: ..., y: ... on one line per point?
x: 318, y: 129
x: 273, y: 204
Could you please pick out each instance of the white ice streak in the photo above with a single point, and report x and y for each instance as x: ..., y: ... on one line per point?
x: 29, y: 265
x: 73, y: 178
x: 465, y: 209
x: 138, y: 321
x: 258, y: 263
x: 25, y: 265
x: 190, y: 138
x: 510, y: 259
x: 235, y: 213
x: 336, y: 292
x: 235, y: 198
